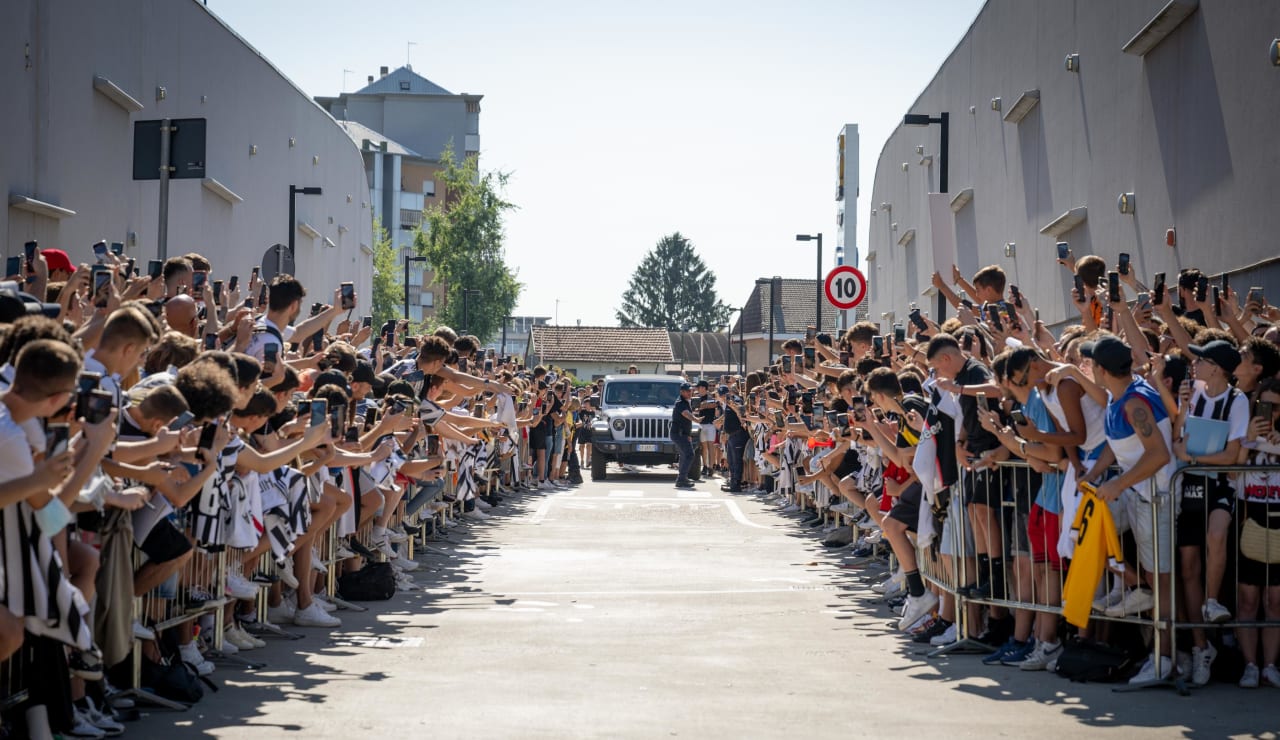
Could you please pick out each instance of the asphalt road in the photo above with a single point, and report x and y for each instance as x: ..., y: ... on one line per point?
x: 627, y: 609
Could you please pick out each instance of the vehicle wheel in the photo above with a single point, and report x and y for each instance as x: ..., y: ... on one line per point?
x: 598, y: 463
x: 695, y: 470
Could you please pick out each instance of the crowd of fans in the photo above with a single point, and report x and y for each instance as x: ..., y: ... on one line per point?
x: 1037, y: 476
x: 179, y: 446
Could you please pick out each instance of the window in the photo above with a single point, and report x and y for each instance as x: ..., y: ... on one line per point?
x: 410, y: 219
x: 473, y: 106
x: 415, y: 275
x: 427, y: 299
x: 404, y: 85
x: 429, y: 188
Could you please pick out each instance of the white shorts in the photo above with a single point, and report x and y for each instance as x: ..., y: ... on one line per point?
x: 708, y: 433
x: 1147, y: 522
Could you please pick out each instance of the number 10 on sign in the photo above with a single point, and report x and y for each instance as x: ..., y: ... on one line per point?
x: 846, y: 287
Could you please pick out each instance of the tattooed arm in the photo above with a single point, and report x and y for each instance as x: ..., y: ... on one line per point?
x: 1156, y: 451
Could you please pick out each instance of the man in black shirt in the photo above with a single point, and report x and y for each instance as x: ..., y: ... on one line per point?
x: 735, y: 437
x: 681, y: 428
x: 706, y: 414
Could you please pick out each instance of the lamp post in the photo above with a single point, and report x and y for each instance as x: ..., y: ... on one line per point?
x: 944, y: 148
x: 466, y: 311
x: 505, y: 321
x: 775, y: 285
x: 407, y: 260
x: 294, y: 190
x: 817, y: 288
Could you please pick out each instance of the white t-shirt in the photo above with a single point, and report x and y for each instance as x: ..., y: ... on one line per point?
x: 16, y: 459
x: 261, y: 339
x: 1237, y: 416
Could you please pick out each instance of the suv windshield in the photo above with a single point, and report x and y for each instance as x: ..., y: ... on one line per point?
x: 641, y: 393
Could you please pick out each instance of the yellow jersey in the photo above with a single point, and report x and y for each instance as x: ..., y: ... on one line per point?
x: 1096, y: 546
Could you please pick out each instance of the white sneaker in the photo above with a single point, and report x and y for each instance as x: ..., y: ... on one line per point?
x: 328, y: 606
x: 189, y: 653
x: 843, y: 507
x: 1202, y: 664
x: 397, y: 536
x: 315, y: 616
x: 383, y: 546
x: 344, y: 553
x: 239, y: 587
x: 404, y: 582
x: 1249, y: 680
x: 1041, y: 656
x: 102, y: 720
x: 1111, y: 598
x: 946, y: 638
x: 228, y: 648
x: 286, y: 573
x: 1136, y: 600
x: 1148, y: 673
x: 403, y: 564
x: 282, y: 614
x: 143, y: 633
x: 256, y: 642
x: 235, y: 636
x: 482, y: 504
x: 917, y: 607
x: 1215, y: 613
x: 82, y: 727
x: 1271, y: 676
x: 477, y: 515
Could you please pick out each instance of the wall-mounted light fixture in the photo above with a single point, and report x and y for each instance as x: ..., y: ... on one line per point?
x: 995, y: 104
x: 920, y: 149
x: 292, y: 142
x: 1275, y: 52
x: 1126, y: 203
x: 161, y: 93
x: 886, y: 207
x: 1072, y: 62
x: 1171, y: 237
x: 893, y: 226
x: 973, y: 110
x: 904, y: 166
x: 1010, y: 249
x: 253, y: 149
x: 873, y: 211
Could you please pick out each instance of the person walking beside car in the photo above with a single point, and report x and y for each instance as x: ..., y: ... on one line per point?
x: 681, y: 429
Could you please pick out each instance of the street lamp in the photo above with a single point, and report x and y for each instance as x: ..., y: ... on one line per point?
x: 294, y: 190
x: 775, y: 286
x: 818, y: 287
x: 407, y: 260
x: 466, y: 314
x: 944, y: 120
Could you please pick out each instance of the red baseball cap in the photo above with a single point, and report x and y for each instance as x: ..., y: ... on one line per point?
x: 57, y: 260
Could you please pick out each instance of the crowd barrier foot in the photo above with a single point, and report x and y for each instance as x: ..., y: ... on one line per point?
x: 260, y: 629
x: 961, y: 647
x: 1177, y: 683
x: 151, y: 699
x: 221, y: 658
x: 347, y: 605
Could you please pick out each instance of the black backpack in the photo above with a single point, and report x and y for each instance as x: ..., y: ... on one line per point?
x: 1085, y: 660
x: 373, y: 582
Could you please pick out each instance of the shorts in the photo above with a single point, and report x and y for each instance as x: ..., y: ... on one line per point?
x: 951, y: 538
x: 1043, y: 530
x: 1192, y: 517
x: 164, y: 543
x: 168, y: 590
x: 906, y: 508
x: 986, y: 487
x: 1252, y: 572
x: 707, y: 432
x: 1146, y: 525
x: 1015, y: 523
x: 557, y: 441
x: 537, y: 440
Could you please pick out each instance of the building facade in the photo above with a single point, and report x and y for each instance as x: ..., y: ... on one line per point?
x: 1058, y: 109
x: 517, y: 335
x: 788, y: 309
x: 87, y: 73
x: 847, y: 211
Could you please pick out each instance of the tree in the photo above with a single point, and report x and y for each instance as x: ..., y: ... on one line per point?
x: 463, y: 240
x: 673, y: 289
x: 388, y: 278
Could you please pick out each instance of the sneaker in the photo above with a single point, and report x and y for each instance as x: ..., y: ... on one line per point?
x: 1215, y: 613
x: 359, y: 549
x: 239, y: 587
x: 1019, y: 652
x: 1202, y: 663
x: 282, y: 614
x: 235, y: 636
x: 102, y: 720
x: 199, y: 600
x: 285, y: 570
x: 890, y: 584
x: 328, y: 606
x: 189, y: 653
x: 1110, y: 598
x: 314, y: 616
x: 936, y: 628
x: 82, y: 727
x: 1271, y: 676
x: 917, y: 607
x: 1134, y: 601
x: 402, y: 564
x: 1249, y: 680
x: 1040, y: 658
x: 843, y: 507
x: 141, y: 632
x: 482, y: 504
x: 946, y: 638
x: 477, y: 515
x: 1148, y: 673
x: 85, y: 664
x: 383, y: 545
x: 344, y: 553
x: 404, y: 582
x: 397, y: 536
x: 256, y: 642
x: 686, y: 486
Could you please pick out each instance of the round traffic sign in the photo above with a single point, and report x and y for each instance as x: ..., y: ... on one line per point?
x: 846, y: 287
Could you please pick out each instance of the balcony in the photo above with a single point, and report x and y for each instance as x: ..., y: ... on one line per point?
x: 412, y: 202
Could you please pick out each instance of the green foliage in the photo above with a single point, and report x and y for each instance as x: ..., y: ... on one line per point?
x: 673, y: 289
x: 388, y: 278
x: 463, y: 239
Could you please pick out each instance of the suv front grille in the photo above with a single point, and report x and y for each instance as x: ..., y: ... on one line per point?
x: 648, y: 429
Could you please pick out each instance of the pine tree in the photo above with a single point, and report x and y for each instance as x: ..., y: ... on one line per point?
x: 673, y: 289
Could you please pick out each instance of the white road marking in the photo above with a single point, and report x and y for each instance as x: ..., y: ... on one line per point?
x: 660, y: 592
x: 585, y: 504
x: 522, y: 602
x: 800, y: 581
x: 626, y: 494
x: 693, y: 494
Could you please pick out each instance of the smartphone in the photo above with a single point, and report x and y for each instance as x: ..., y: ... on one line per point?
x: 462, y: 364
x: 248, y: 303
x: 207, y: 433
x: 270, y: 354
x: 129, y: 267
x: 1217, y: 300
x: 1202, y: 289
x: 1080, y: 289
x: 879, y: 414
x: 899, y: 334
x: 785, y: 360
x: 810, y: 333
x: 488, y: 366
x: 778, y: 419
x: 1266, y: 410
x: 155, y: 268
x: 29, y: 250
x: 233, y: 282
x: 844, y: 359
x: 101, y: 287
x: 1016, y: 295
x: 982, y: 400
x: 1113, y: 287
x: 877, y: 345
x: 254, y: 273
x: 210, y: 341
x: 1011, y: 314
x: 336, y: 415
x: 841, y: 420
x: 100, y: 250
x: 1157, y: 291
x: 348, y: 293
x: 94, y: 406
x: 1064, y: 250
x: 819, y: 409
x: 860, y: 413
x: 13, y: 266
x: 319, y: 410
x: 317, y: 341
x: 56, y: 437
x: 1256, y: 295
x: 1226, y: 282
x: 1144, y: 301
x: 367, y: 322
x: 810, y: 356
x: 198, y: 280
x: 304, y: 409
x: 1123, y: 266
x: 1037, y: 314
x: 1018, y: 417
x: 917, y: 320
x: 433, y: 444
x: 262, y: 295
x: 183, y: 419
x: 370, y: 416
x: 217, y: 292
x: 352, y: 435
x: 993, y: 316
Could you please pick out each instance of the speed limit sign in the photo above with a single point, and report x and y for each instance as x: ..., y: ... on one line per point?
x: 846, y: 287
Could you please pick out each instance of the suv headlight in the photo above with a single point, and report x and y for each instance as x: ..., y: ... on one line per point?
x: 619, y: 425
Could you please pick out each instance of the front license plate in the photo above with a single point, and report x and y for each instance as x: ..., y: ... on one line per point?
x: 646, y: 448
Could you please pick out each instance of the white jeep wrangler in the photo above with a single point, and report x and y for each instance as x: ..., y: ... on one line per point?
x: 633, y: 425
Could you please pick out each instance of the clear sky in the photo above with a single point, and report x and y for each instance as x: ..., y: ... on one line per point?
x: 622, y: 122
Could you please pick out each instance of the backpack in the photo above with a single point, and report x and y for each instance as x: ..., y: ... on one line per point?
x: 1085, y: 660
x: 373, y: 582
x: 172, y: 678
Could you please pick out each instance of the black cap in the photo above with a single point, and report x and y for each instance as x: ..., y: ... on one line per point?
x: 723, y: 390
x: 334, y: 377
x: 1219, y: 352
x: 363, y: 373
x: 14, y: 304
x: 1109, y: 353
x: 686, y: 387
